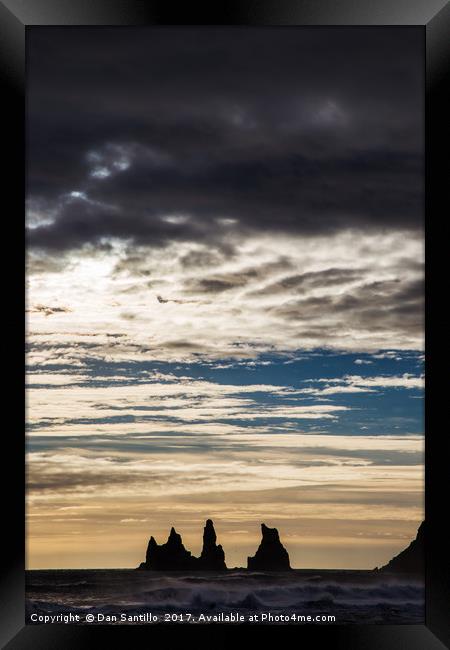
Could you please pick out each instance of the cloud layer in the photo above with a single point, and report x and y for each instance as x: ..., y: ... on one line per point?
x: 196, y: 133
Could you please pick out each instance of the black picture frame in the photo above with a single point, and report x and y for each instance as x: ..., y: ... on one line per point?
x: 434, y: 17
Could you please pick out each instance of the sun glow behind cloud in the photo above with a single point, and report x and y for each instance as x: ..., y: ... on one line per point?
x: 277, y: 295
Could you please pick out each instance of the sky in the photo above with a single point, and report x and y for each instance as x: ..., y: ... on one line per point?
x: 225, y: 284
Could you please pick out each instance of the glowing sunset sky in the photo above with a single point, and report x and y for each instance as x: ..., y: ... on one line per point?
x: 225, y: 292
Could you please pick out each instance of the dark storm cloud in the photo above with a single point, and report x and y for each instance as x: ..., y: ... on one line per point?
x: 42, y: 478
x: 201, y: 259
x: 379, y: 306
x: 293, y: 130
x: 222, y: 282
x: 313, y: 279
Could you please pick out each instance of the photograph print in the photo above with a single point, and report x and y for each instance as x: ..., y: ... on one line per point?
x: 225, y: 325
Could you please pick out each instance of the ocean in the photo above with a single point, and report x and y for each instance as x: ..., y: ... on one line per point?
x: 126, y: 596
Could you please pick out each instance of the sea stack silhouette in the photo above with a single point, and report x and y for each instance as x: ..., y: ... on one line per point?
x: 173, y: 556
x: 212, y: 557
x: 271, y: 554
x: 411, y: 559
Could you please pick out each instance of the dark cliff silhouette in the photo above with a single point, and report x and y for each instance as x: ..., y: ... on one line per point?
x: 271, y: 554
x: 411, y: 559
x: 173, y: 556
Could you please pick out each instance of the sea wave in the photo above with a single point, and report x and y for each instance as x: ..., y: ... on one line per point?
x: 354, y: 598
